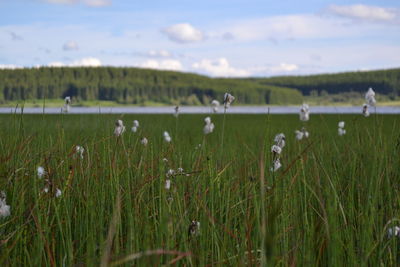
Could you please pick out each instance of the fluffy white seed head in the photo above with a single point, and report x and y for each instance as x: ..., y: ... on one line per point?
x: 136, y: 123
x: 228, y: 100
x: 393, y: 231
x: 299, y: 134
x: 341, y: 131
x: 208, y: 128
x: 341, y: 124
x: 280, y: 140
x: 207, y: 120
x: 304, y: 112
x: 370, y: 97
x: 40, y: 172
x: 167, y: 184
x: 134, y: 129
x: 276, y: 165
x: 365, y: 110
x: 58, y: 193
x: 119, y: 128
x: 144, y: 141
x: 80, y: 150
x: 276, y: 149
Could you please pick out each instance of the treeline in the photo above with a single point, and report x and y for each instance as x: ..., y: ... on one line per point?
x: 135, y: 86
x: 385, y: 82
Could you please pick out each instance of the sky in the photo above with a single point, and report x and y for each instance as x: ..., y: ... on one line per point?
x: 218, y: 38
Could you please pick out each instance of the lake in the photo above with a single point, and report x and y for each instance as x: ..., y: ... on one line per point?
x: 206, y: 110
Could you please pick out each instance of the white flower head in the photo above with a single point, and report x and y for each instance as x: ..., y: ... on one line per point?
x: 170, y: 173
x: 280, y: 140
x: 341, y: 131
x: 167, y: 184
x: 194, y: 228
x: 119, y: 128
x: 306, y: 134
x: 276, y: 165
x: 144, y: 141
x: 208, y: 128
x: 228, y: 100
x: 167, y: 138
x: 341, y: 124
x: 304, y: 112
x: 80, y: 150
x: 136, y: 123
x: 180, y: 170
x: 370, y: 97
x: 67, y: 100
x: 393, y: 231
x: 58, y: 193
x: 40, y: 172
x: 165, y: 159
x: 276, y: 149
x: 299, y: 134
x: 134, y: 129
x: 4, y: 208
x: 215, y: 105
x: 365, y: 110
x: 207, y: 120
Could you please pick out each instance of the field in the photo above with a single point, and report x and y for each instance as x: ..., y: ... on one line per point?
x: 332, y: 203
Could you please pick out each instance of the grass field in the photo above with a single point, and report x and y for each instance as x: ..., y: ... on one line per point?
x: 331, y: 203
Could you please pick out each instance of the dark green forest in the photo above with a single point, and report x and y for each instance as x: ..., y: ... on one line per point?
x: 138, y: 86
x: 386, y: 82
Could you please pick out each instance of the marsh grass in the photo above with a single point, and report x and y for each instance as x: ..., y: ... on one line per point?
x: 331, y: 203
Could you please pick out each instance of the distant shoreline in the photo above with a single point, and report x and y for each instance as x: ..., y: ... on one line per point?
x: 202, y: 110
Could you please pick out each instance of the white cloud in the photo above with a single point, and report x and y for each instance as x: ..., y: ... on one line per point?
x: 284, y: 67
x: 219, y: 67
x: 9, y: 66
x: 70, y: 46
x: 183, y: 33
x: 91, y: 3
x: 158, y: 53
x: 168, y: 64
x: 61, y: 1
x: 363, y: 12
x: 84, y: 62
x: 97, y: 3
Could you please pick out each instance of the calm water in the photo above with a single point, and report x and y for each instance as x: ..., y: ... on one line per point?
x: 204, y: 110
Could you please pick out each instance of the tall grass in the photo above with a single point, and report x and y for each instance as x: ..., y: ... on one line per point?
x: 331, y: 203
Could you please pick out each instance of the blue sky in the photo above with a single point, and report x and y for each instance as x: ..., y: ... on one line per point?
x: 233, y: 38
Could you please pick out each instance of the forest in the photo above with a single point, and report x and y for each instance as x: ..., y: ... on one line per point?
x: 138, y: 86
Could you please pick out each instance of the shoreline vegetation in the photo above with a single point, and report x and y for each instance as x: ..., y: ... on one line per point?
x: 118, y: 86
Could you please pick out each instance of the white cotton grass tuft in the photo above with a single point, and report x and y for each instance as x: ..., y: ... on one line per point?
x: 393, y: 231
x: 370, y: 97
x: 168, y: 184
x: 167, y: 137
x: 79, y: 150
x: 365, y: 110
x: 144, y: 141
x: 5, y: 210
x: 228, y: 100
x: 341, y: 130
x: 301, y: 134
x: 170, y: 173
x: 276, y: 149
x: 179, y: 170
x: 215, y: 105
x: 40, y: 172
x: 194, y: 228
x: 304, y: 112
x: 67, y: 102
x: 276, y: 165
x: 209, y: 127
x: 280, y: 140
x: 135, y: 126
x: 119, y: 128
x: 58, y: 193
